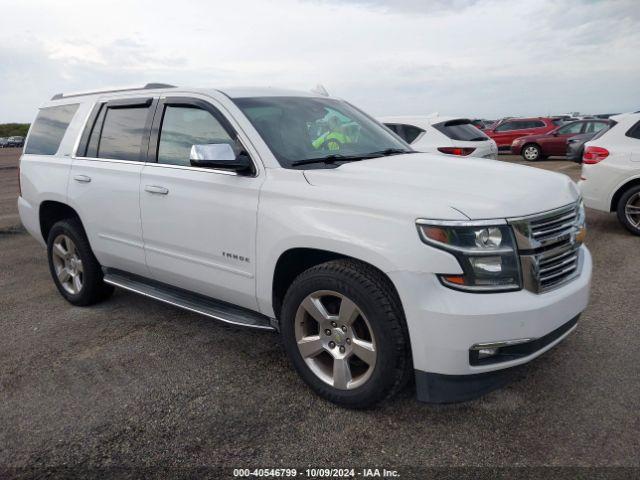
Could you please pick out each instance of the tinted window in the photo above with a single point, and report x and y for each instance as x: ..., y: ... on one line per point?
x: 183, y: 127
x: 49, y: 128
x: 94, y: 139
x: 571, y: 128
x: 534, y: 124
x: 460, y: 130
x: 410, y: 133
x: 395, y: 128
x: 506, y: 126
x: 634, y: 132
x: 122, y: 133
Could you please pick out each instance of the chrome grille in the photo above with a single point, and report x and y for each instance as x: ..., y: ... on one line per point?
x: 549, y: 252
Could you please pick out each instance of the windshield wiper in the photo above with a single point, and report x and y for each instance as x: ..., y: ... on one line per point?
x: 390, y: 151
x: 336, y: 157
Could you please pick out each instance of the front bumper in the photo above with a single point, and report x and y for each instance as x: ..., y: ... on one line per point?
x: 516, y: 148
x: 444, y: 324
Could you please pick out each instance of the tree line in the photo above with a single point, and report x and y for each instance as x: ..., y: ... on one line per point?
x: 14, y: 129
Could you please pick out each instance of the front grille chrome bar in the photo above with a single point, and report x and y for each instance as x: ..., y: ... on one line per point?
x: 549, y: 253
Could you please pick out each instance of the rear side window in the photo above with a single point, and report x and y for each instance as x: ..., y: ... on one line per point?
x: 49, y: 128
x: 505, y: 127
x: 634, y: 132
x: 122, y: 133
x: 408, y: 133
x: 534, y: 124
x: 460, y: 130
x: 571, y: 128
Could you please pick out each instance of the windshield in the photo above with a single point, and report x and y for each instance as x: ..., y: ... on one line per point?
x: 299, y: 129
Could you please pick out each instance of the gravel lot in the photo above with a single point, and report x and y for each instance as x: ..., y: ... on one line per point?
x: 135, y: 383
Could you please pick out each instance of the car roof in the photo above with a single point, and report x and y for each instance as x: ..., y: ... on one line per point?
x: 244, y: 92
x: 422, y: 121
x: 163, y: 89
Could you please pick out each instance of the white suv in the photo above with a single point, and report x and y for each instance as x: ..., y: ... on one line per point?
x: 611, y: 170
x: 299, y: 213
x: 443, y: 135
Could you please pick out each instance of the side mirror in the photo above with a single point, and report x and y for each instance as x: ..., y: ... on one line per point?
x: 219, y: 155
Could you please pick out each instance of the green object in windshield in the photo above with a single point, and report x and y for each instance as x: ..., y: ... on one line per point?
x: 297, y: 128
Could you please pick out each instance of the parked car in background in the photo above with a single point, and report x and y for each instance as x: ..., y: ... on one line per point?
x: 443, y: 135
x: 4, y: 142
x: 575, y: 144
x: 508, y: 130
x: 610, y: 179
x: 538, y: 147
x: 482, y: 123
x: 15, y: 141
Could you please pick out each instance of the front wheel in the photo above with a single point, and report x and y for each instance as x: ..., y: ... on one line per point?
x: 531, y: 152
x: 629, y: 210
x: 343, y: 330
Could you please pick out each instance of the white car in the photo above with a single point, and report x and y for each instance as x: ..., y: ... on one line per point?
x: 610, y: 179
x: 297, y: 213
x: 442, y: 135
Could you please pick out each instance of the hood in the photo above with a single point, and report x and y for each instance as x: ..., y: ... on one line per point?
x: 432, y: 184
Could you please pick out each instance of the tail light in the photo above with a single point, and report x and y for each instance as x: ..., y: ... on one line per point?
x: 594, y: 155
x: 457, y: 151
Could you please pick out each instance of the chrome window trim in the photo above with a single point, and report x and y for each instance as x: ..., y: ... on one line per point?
x: 164, y: 165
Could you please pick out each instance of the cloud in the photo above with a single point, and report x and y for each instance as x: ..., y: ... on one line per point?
x: 486, y: 58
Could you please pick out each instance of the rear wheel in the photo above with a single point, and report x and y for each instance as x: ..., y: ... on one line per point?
x: 344, y: 332
x: 531, y: 152
x: 75, y: 270
x: 629, y: 210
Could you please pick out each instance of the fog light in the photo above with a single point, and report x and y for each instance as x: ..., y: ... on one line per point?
x: 487, y: 352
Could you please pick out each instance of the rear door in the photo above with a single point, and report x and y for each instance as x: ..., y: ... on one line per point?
x: 105, y: 181
x: 199, y: 224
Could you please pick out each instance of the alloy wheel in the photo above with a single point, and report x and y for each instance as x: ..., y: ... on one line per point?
x: 335, y: 339
x: 632, y: 210
x: 67, y: 264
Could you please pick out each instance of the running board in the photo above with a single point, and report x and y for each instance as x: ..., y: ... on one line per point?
x: 193, y: 302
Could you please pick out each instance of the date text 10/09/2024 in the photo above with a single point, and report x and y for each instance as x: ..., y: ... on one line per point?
x: 316, y: 473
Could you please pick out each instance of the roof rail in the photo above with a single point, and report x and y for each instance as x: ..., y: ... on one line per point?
x: 148, y: 86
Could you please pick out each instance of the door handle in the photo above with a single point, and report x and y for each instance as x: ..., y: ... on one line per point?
x: 156, y: 189
x: 82, y: 178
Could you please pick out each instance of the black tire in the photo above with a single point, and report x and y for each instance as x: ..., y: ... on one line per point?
x: 375, y: 296
x: 533, y: 147
x: 93, y: 289
x: 631, y: 195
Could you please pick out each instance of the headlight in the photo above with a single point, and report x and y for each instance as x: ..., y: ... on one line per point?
x: 486, y: 252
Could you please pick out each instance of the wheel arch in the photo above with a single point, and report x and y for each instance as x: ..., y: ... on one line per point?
x: 294, y: 261
x: 50, y: 212
x: 621, y: 191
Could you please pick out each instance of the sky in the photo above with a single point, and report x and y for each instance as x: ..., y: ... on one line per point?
x: 473, y: 58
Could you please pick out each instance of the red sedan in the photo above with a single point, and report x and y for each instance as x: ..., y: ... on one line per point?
x: 508, y: 130
x: 536, y: 147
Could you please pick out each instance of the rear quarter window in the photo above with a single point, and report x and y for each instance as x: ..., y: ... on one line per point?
x: 634, y: 132
x: 461, y: 130
x: 48, y: 129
